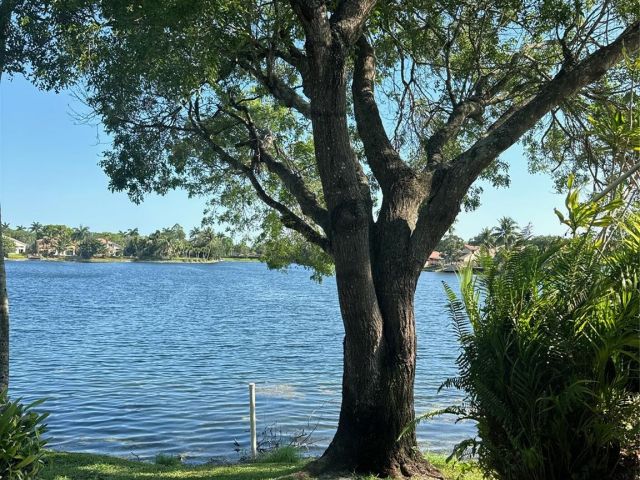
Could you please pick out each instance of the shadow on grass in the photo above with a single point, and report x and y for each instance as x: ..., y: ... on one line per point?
x: 82, y: 466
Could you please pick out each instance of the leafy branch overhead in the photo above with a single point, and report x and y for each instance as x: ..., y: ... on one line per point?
x: 358, y: 126
x: 193, y: 91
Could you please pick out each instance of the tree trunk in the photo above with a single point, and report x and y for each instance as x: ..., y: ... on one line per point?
x: 377, y: 401
x: 4, y: 319
x: 376, y: 298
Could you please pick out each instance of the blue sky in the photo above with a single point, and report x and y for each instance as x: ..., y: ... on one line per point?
x: 49, y: 173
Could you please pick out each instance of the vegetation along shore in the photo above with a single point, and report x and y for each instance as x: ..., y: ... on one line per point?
x: 61, y: 242
x: 282, y: 466
x: 346, y: 137
x: 204, y: 245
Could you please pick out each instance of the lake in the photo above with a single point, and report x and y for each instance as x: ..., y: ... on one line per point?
x: 138, y: 359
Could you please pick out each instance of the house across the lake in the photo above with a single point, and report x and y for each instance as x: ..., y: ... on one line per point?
x: 112, y: 248
x: 20, y: 247
x: 468, y: 256
x: 49, y: 248
x: 435, y: 260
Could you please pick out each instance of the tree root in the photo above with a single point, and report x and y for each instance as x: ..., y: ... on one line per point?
x: 409, y: 466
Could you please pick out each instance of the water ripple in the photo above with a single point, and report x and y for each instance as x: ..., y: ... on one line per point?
x: 146, y: 358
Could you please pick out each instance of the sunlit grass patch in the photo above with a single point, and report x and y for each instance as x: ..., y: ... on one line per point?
x: 287, y: 454
x: 455, y: 470
x: 84, y: 466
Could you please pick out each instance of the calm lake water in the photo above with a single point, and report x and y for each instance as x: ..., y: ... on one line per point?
x: 142, y: 358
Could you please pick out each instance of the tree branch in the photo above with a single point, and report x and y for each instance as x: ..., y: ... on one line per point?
x: 461, y: 112
x: 288, y: 217
x: 450, y: 183
x: 282, y: 92
x: 293, y: 182
x: 384, y: 160
x: 313, y: 15
x: 617, y: 181
x: 349, y: 18
x: 565, y: 84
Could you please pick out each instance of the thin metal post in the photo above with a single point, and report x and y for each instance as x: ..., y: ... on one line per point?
x: 252, y: 419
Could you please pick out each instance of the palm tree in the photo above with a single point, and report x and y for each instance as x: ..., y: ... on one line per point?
x: 36, y: 228
x: 132, y: 232
x: 207, y: 234
x: 180, y: 247
x: 485, y: 238
x: 63, y: 241
x: 194, y: 233
x: 20, y: 228
x: 507, y: 233
x: 80, y: 233
x: 5, y: 225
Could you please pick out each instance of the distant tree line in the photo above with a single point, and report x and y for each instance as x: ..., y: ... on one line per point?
x: 166, y: 243
x: 205, y: 243
x: 507, y: 233
x: 173, y: 242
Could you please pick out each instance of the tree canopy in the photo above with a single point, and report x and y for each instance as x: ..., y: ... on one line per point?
x: 348, y: 132
x: 213, y: 97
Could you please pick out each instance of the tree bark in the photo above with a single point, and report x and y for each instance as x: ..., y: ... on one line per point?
x: 375, y: 290
x: 377, y: 401
x: 4, y: 319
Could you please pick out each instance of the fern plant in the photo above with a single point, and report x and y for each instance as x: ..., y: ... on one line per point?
x: 550, y: 344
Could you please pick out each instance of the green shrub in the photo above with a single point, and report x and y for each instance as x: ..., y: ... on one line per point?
x: 21, y: 443
x: 550, y: 345
x: 168, y: 460
x: 286, y: 454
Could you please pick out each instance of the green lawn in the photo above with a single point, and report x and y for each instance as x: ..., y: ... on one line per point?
x: 82, y: 466
x: 455, y: 470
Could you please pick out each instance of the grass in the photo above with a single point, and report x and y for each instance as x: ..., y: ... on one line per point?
x: 455, y: 470
x: 167, y: 460
x: 286, y: 454
x: 84, y: 466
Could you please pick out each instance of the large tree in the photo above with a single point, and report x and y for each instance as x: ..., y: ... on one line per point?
x: 349, y: 131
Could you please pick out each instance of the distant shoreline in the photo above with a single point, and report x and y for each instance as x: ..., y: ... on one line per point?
x: 130, y: 260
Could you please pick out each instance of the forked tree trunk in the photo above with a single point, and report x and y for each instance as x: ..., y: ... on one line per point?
x: 376, y: 291
x: 377, y: 400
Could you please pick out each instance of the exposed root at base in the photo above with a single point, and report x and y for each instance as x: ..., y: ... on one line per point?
x: 415, y: 468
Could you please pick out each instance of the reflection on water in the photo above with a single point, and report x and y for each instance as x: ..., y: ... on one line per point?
x: 145, y: 358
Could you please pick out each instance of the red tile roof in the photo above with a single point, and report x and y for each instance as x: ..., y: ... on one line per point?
x: 435, y: 256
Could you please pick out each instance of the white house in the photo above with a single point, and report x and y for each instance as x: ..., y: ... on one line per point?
x: 20, y: 247
x: 112, y: 248
x: 469, y: 255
